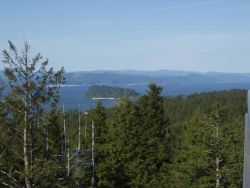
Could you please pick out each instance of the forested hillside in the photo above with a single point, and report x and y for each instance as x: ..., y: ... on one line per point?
x: 155, y: 141
x: 170, y: 141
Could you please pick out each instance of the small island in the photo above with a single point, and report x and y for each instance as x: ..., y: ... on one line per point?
x: 103, y: 92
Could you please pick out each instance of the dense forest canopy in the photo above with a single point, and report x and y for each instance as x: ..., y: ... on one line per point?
x: 154, y: 141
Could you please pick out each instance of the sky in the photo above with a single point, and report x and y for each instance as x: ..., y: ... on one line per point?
x: 82, y: 35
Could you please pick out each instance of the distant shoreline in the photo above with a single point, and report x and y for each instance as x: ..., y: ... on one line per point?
x: 104, y: 98
x: 69, y: 85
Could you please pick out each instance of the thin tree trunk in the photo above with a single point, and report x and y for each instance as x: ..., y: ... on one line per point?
x: 79, y: 129
x: 93, y: 156
x: 217, y: 160
x: 68, y: 160
x: 64, y: 131
x: 31, y: 145
x: 25, y: 154
x: 217, y: 172
x: 27, y: 137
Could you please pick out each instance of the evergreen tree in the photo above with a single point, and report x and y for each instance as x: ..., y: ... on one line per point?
x: 153, y: 138
x: 100, y: 141
x: 195, y: 163
x: 32, y: 86
x: 122, y: 138
x: 53, y: 165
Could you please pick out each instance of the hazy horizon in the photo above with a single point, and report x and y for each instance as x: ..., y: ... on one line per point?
x: 152, y: 70
x: 156, y: 70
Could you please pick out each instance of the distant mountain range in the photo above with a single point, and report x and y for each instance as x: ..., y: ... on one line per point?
x: 174, y: 82
x: 161, y: 77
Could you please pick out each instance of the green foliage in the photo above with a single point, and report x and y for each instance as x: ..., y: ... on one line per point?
x: 32, y: 86
x: 153, y: 140
x: 110, y: 92
x: 194, y: 162
x: 196, y: 116
x: 101, y: 152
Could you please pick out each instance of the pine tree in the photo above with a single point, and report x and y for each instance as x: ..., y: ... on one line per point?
x: 153, y: 137
x: 100, y: 119
x: 54, y: 161
x: 117, y: 165
x: 32, y: 86
x: 215, y: 118
x: 194, y: 164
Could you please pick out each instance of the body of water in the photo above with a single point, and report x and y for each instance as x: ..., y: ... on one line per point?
x: 72, y: 96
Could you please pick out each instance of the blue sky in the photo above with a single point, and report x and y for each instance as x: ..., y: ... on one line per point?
x: 198, y: 35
